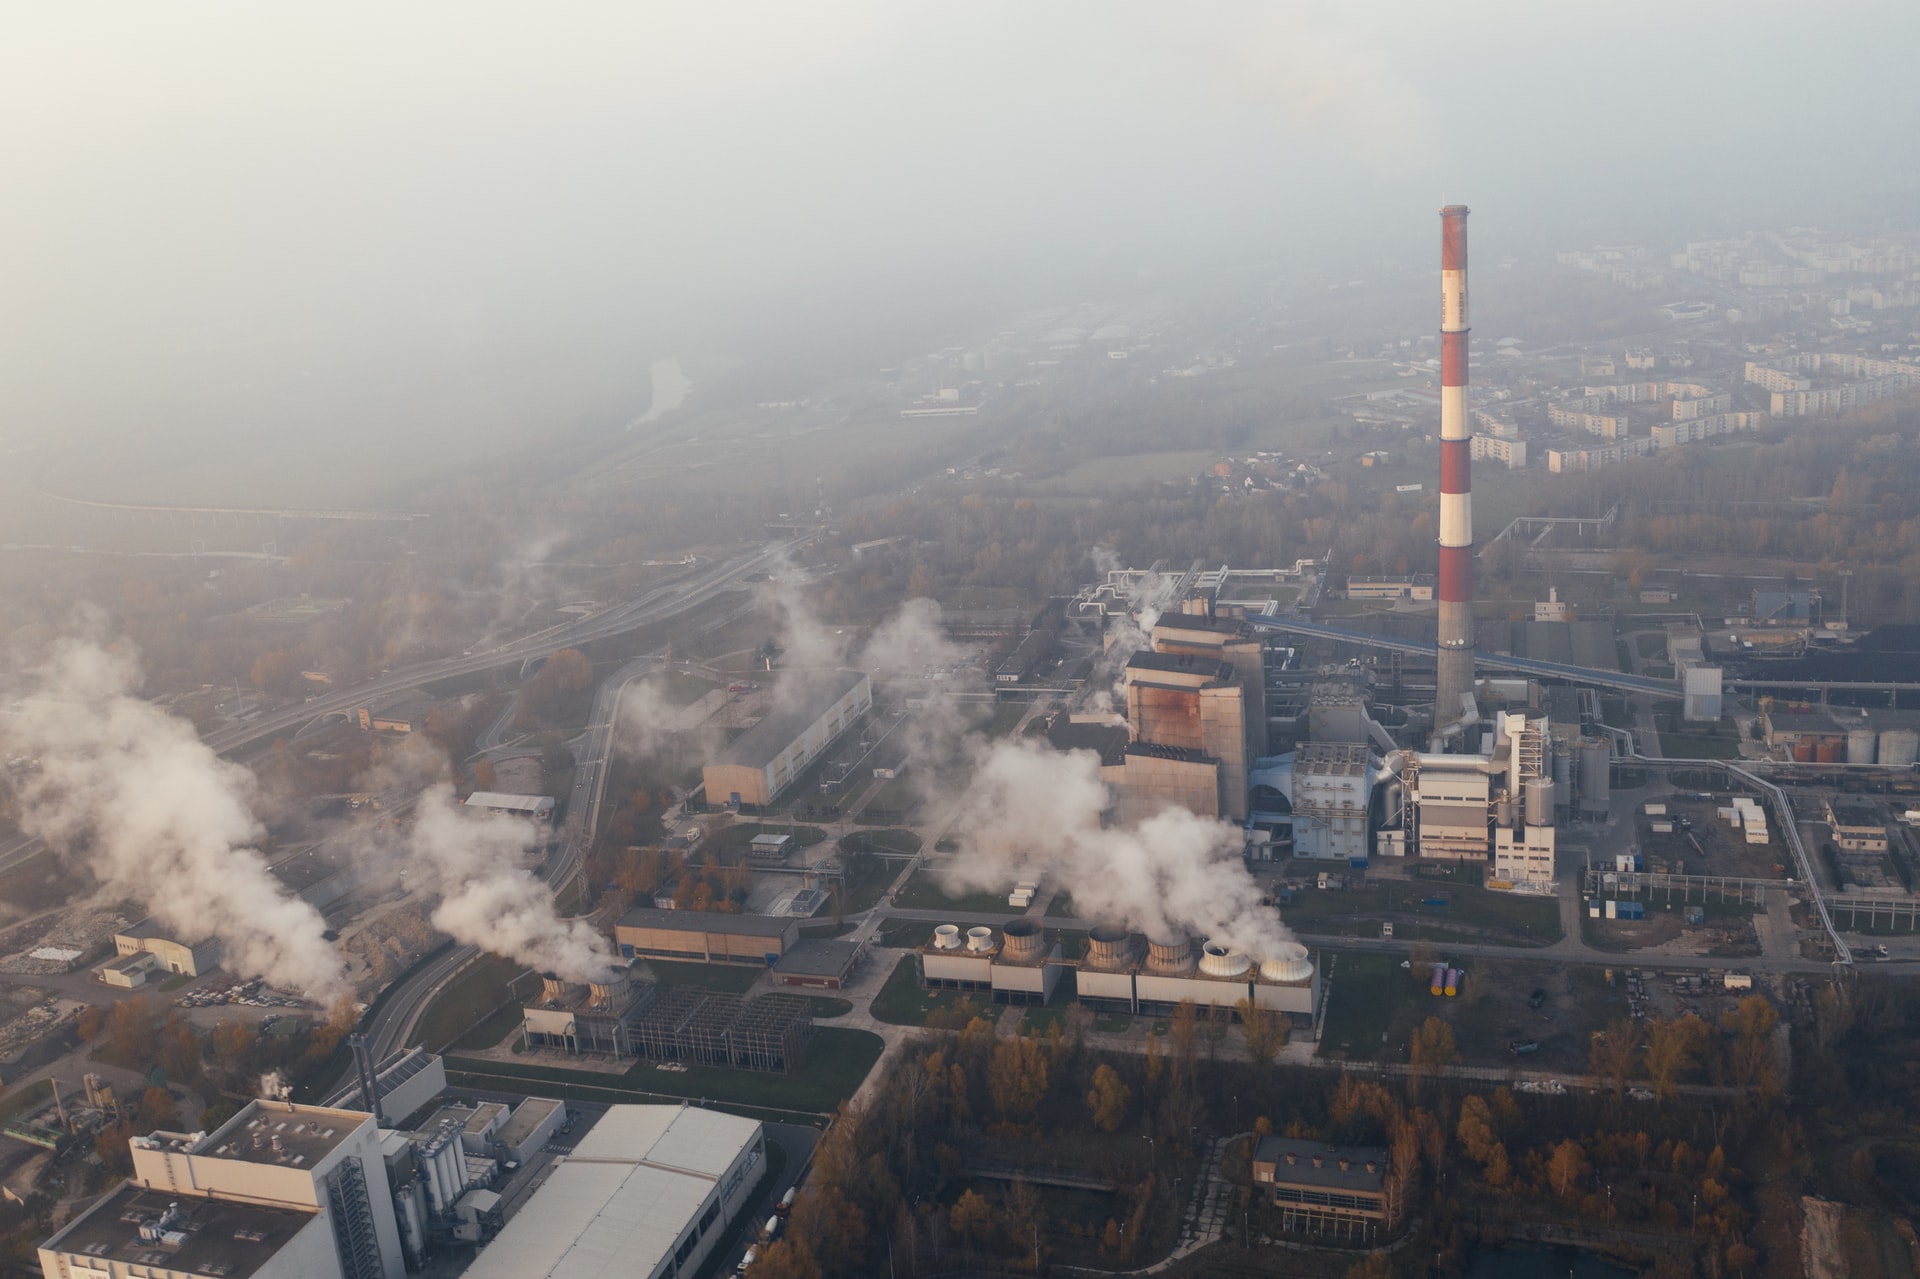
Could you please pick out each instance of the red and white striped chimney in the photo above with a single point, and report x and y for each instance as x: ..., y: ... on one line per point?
x: 1455, y: 676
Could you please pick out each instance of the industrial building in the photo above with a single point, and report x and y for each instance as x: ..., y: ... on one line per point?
x: 586, y: 1017
x: 1196, y: 717
x: 715, y: 1028
x: 1121, y: 971
x: 1325, y: 1189
x: 537, y: 807
x: 768, y: 758
x: 649, y: 1191
x: 151, y: 937
x: 707, y: 937
x: 819, y: 963
x: 280, y: 1190
x: 405, y: 1082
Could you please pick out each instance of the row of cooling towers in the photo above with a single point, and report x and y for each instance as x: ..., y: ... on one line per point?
x: 1114, y: 949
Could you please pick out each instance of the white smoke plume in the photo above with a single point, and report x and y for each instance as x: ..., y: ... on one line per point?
x: 490, y: 897
x: 1147, y: 597
x: 1032, y: 812
x: 647, y: 723
x: 157, y: 816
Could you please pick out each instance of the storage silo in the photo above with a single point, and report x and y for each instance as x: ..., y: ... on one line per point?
x: 1563, y: 769
x: 1539, y: 801
x: 1596, y: 775
x: 1453, y: 982
x: 1899, y: 747
x: 1437, y: 981
x: 1860, y: 746
x: 1828, y: 751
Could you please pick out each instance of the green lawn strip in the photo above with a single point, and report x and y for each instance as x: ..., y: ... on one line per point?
x: 737, y: 837
x: 901, y: 1002
x: 923, y: 891
x: 1112, y: 1023
x: 491, y: 1030
x: 837, y: 1062
x: 825, y: 1006
x: 470, y: 997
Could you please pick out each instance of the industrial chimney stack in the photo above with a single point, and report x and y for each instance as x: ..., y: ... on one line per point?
x: 1455, y: 678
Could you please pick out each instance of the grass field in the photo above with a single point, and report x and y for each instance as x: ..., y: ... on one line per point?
x: 735, y: 838
x: 901, y: 1002
x: 892, y: 803
x: 475, y: 994
x: 1471, y: 913
x: 922, y: 891
x: 18, y: 1101
x: 836, y: 1064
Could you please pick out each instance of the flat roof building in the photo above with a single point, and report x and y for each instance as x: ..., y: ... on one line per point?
x: 280, y: 1190
x: 538, y: 807
x: 649, y: 1191
x: 765, y: 760
x: 136, y: 1231
x: 706, y: 936
x: 817, y: 962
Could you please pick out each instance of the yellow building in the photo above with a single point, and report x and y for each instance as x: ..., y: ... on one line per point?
x: 149, y: 936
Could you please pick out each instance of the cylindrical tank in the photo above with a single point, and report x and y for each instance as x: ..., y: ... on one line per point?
x: 1107, y: 947
x: 1022, y: 939
x: 1453, y: 982
x: 1505, y: 811
x: 1860, y: 746
x: 1172, y: 954
x: 1803, y: 749
x: 1596, y: 774
x: 1828, y: 751
x: 1539, y: 801
x: 1217, y: 959
x: 1563, y: 768
x: 980, y: 940
x: 946, y: 937
x: 1899, y: 747
x: 1288, y: 964
x: 1437, y: 982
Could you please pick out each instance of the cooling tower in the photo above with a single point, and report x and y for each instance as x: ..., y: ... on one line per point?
x: 1171, y: 955
x: 1109, y: 948
x: 1220, y: 960
x: 1022, y: 941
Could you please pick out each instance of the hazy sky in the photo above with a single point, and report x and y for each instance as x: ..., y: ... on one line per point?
x: 284, y: 219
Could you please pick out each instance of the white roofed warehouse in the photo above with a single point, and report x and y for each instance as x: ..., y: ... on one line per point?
x: 649, y: 1191
x: 768, y: 758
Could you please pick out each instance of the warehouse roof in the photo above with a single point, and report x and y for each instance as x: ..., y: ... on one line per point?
x: 623, y: 1200
x: 819, y: 957
x: 508, y: 803
x: 1198, y: 622
x: 763, y: 743
x: 705, y: 921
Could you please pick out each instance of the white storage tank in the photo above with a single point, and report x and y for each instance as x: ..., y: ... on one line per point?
x: 1899, y: 747
x: 1596, y: 775
x: 1860, y: 746
x: 1539, y: 801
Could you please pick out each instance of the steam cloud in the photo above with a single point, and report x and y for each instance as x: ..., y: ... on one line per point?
x: 159, y: 817
x: 490, y: 898
x: 1032, y: 811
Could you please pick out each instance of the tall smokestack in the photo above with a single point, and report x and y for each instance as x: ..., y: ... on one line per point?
x: 1455, y: 677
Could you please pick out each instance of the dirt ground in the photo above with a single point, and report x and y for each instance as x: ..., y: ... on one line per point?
x: 1710, y: 846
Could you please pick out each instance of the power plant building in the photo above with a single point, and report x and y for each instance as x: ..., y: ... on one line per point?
x: 280, y: 1190
x: 768, y: 758
x: 1120, y: 971
x: 707, y: 937
x: 649, y: 1191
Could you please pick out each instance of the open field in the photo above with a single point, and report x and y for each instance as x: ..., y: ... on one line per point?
x: 479, y: 990
x: 901, y: 1002
x: 923, y: 891
x: 836, y: 1063
x: 1440, y: 910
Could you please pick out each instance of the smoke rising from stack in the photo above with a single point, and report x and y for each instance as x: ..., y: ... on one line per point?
x: 1147, y: 597
x: 1454, y: 673
x: 156, y: 815
x: 490, y: 898
x: 1032, y: 812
